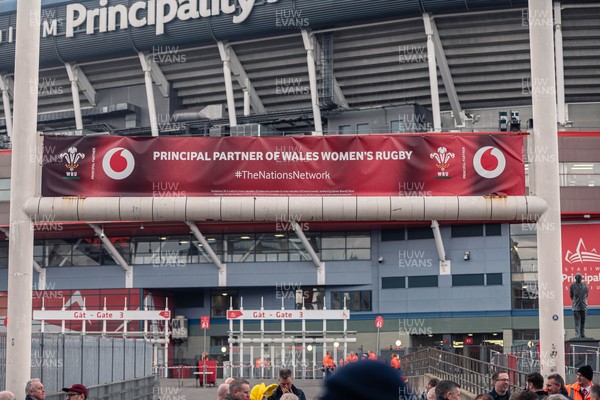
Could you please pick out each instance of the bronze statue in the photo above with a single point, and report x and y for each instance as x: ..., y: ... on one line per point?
x: 579, y: 295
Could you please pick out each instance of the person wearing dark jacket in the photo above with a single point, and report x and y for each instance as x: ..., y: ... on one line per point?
x: 556, y: 385
x: 34, y: 389
x: 500, y: 390
x: 366, y: 379
x: 286, y: 386
x: 535, y: 383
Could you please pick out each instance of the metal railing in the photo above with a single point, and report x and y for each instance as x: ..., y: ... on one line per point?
x: 472, y: 375
x: 139, y: 389
x: 61, y: 360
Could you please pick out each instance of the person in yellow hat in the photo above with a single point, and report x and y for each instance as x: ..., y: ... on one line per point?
x: 259, y: 392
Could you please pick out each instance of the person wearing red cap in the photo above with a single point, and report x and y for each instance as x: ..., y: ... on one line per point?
x: 76, y: 392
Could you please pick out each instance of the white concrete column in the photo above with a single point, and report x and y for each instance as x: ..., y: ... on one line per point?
x: 75, y: 94
x: 433, y: 79
x: 225, y: 58
x: 22, y: 187
x: 147, y: 68
x: 560, y: 69
x: 546, y: 185
x: 309, y: 46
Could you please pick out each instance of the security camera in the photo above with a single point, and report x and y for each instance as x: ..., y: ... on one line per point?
x: 380, y: 259
x: 467, y: 256
x: 102, y: 236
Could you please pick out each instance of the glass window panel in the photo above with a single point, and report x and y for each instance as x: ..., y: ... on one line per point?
x: 393, y: 282
x: 4, y: 255
x: 58, y: 253
x: 220, y: 302
x: 336, y: 300
x: 345, y: 129
x: 395, y: 126
x: 522, y: 229
x: 358, y: 254
x: 333, y: 254
x: 466, y: 230
x: 365, y: 300
x: 581, y: 168
x: 581, y: 180
x: 419, y: 233
x: 363, y: 128
x: 422, y: 281
x: 493, y: 230
x: 5, y: 184
x: 333, y: 241
x: 494, y: 279
x: 357, y: 240
x: 468, y: 280
x: 390, y: 235
x: 527, y: 253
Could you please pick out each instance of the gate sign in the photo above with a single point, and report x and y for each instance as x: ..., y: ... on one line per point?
x: 205, y: 322
x: 101, y: 315
x: 287, y: 314
x: 336, y: 165
x: 379, y: 322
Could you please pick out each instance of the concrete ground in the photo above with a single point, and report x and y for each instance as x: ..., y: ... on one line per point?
x: 185, y: 389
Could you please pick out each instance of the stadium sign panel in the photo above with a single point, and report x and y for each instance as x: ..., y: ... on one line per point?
x: 340, y: 165
x: 287, y: 314
x: 152, y: 12
x: 580, y: 254
x: 102, y: 315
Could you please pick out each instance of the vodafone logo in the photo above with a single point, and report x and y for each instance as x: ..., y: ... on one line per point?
x: 118, y: 163
x: 489, y: 162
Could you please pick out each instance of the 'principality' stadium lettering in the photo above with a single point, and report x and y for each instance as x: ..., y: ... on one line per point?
x: 151, y: 12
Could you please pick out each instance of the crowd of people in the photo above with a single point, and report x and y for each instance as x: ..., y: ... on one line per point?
x: 358, y: 379
x: 34, y: 390
x: 368, y: 379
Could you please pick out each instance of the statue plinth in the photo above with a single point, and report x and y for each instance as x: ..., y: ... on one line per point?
x: 582, y: 351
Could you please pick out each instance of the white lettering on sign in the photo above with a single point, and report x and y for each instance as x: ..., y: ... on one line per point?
x: 101, y: 315
x: 287, y: 314
x: 151, y: 12
x: 141, y: 13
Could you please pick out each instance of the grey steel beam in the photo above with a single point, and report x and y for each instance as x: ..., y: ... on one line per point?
x: 313, y: 255
x: 114, y: 253
x: 442, y: 63
x: 147, y: 64
x: 206, y: 247
x: 243, y: 80
x: 82, y: 82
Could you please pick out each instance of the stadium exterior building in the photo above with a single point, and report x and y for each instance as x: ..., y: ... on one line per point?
x: 287, y: 68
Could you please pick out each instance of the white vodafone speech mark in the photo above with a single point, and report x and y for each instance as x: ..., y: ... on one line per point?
x: 118, y: 175
x: 484, y: 172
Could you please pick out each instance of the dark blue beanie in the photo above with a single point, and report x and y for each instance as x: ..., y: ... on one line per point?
x: 364, y: 380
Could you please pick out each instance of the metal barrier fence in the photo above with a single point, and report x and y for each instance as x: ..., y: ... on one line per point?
x: 140, y: 389
x: 474, y: 376
x: 60, y: 360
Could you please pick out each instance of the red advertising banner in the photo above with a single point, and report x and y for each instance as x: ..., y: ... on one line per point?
x: 340, y: 165
x: 580, y: 253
